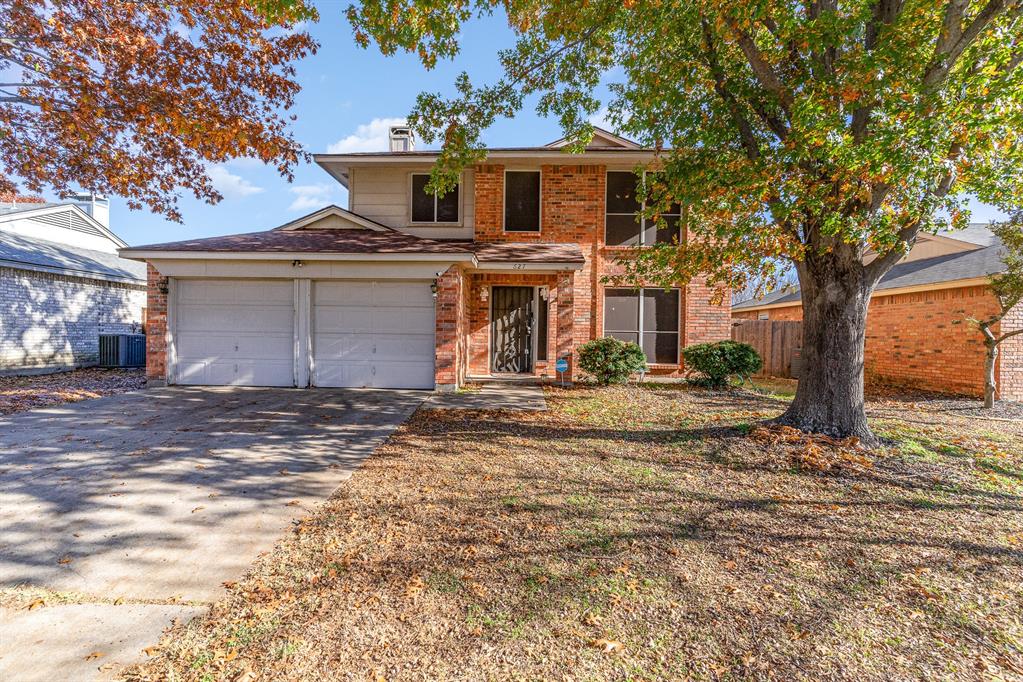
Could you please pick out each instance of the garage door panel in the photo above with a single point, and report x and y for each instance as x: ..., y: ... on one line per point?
x: 417, y: 347
x: 343, y: 373
x: 234, y: 333
x: 401, y: 294
x: 234, y: 347
x: 351, y: 293
x: 235, y: 292
x: 378, y: 334
x: 402, y: 320
x: 344, y: 347
x: 240, y: 373
x: 333, y: 319
x: 215, y: 318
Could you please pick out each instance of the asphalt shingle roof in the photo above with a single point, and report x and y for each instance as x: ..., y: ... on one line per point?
x: 31, y: 253
x: 948, y: 268
x: 312, y: 240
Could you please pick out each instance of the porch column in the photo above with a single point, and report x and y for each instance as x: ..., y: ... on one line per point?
x: 446, y: 343
x: 157, y: 287
x: 566, y: 322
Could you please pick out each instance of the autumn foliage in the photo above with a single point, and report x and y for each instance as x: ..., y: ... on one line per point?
x: 137, y: 98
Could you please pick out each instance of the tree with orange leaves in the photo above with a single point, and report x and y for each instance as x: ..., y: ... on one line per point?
x: 137, y: 98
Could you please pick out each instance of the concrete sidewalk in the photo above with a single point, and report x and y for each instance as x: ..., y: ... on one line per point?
x: 160, y: 497
x: 494, y: 395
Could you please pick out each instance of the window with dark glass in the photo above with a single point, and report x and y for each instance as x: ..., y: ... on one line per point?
x: 625, y: 224
x: 431, y: 208
x: 522, y: 201
x: 648, y: 317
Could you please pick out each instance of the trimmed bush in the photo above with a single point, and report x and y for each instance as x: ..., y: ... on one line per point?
x: 610, y: 361
x: 715, y: 363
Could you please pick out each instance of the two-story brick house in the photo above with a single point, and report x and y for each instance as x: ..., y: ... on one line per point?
x: 405, y: 289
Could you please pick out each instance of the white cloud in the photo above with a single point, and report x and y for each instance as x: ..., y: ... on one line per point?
x: 368, y: 137
x: 230, y: 185
x: 600, y: 119
x: 311, y: 197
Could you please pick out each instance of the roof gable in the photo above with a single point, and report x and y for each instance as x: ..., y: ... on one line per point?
x: 61, y: 216
x: 333, y: 217
x: 602, y: 139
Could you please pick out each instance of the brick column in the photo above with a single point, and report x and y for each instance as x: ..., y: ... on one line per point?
x: 566, y: 322
x: 156, y: 326
x: 449, y: 302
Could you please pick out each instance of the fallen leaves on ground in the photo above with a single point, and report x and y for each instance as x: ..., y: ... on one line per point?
x: 29, y: 392
x: 646, y: 533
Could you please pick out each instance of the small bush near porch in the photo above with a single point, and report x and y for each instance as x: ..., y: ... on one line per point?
x: 642, y: 533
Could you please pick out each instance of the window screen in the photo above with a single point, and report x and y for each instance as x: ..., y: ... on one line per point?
x: 624, y: 223
x: 429, y: 208
x: 522, y: 201
x: 649, y: 318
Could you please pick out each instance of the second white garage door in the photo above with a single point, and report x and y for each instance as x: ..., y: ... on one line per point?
x: 235, y: 332
x: 374, y: 334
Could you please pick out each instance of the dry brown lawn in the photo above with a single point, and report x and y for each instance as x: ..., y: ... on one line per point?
x: 640, y: 533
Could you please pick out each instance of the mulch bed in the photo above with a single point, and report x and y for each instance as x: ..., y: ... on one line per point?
x: 639, y: 533
x: 45, y: 390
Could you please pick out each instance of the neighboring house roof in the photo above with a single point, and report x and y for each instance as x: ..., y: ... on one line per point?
x: 602, y: 139
x: 975, y: 233
x: 29, y: 253
x: 59, y: 215
x: 954, y: 267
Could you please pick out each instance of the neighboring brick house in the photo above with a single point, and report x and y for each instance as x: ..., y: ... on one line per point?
x: 62, y: 284
x: 917, y: 329
x: 502, y: 276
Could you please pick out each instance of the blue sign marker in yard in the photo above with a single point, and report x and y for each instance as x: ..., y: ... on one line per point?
x: 561, y: 366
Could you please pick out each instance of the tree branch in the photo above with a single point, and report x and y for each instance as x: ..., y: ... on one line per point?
x: 885, y: 13
x: 746, y: 134
x: 1009, y: 335
x: 761, y: 69
x: 954, y: 39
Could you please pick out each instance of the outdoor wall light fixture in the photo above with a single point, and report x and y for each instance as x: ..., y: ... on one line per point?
x: 484, y: 294
x: 433, y: 288
x: 545, y: 293
x: 297, y: 263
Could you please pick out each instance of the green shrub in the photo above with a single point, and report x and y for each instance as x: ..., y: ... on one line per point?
x: 611, y: 361
x: 715, y: 363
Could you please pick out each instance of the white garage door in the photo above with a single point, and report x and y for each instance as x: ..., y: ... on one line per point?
x: 377, y: 334
x: 235, y: 333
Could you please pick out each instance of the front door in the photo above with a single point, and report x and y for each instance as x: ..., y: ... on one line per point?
x: 512, y: 329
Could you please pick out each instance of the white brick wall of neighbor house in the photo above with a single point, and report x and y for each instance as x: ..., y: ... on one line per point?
x: 61, y: 286
x: 54, y: 321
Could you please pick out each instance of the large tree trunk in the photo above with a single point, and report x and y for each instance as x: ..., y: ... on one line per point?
x: 835, y: 293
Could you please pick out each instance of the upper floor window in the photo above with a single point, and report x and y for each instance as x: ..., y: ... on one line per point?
x: 522, y: 201
x: 431, y: 208
x: 625, y: 224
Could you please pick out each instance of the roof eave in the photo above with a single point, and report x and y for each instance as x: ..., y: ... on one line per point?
x: 155, y: 254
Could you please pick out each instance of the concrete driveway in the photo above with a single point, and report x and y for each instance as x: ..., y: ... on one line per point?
x: 153, y: 500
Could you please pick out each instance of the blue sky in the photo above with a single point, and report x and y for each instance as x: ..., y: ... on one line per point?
x: 348, y: 96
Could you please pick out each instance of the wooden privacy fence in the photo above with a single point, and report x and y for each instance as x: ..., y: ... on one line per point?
x: 777, y: 342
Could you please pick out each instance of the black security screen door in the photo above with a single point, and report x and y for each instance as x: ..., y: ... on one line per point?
x: 512, y: 329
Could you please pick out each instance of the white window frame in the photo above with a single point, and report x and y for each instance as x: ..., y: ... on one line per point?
x: 639, y: 322
x: 411, y: 198
x: 642, y: 217
x: 504, y: 201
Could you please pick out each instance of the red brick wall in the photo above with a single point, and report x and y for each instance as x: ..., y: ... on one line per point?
x: 478, y: 319
x: 1010, y: 362
x: 450, y: 334
x: 156, y: 325
x: 705, y: 320
x: 572, y: 210
x: 922, y: 339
